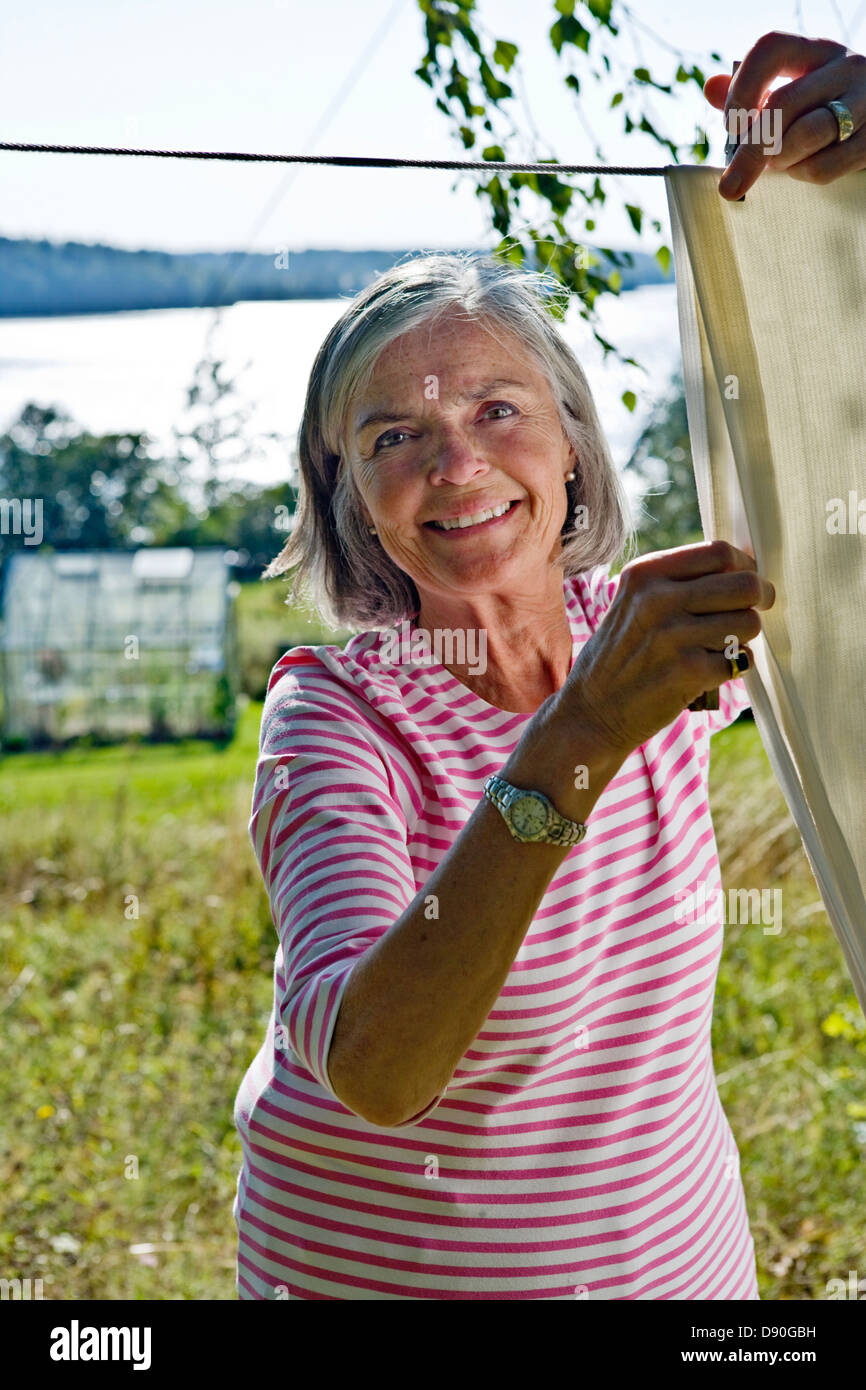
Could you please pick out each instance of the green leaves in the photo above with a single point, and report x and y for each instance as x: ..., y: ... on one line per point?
x: 504, y: 54
x: 629, y: 399
x: 663, y: 256
x: 693, y: 74
x: 558, y: 194
x: 635, y: 216
x: 700, y: 149
x: 569, y: 30
x: 468, y: 86
x: 644, y: 76
x: 601, y: 10
x: 510, y: 250
x: 499, y: 202
x: 495, y: 89
x: 844, y: 1024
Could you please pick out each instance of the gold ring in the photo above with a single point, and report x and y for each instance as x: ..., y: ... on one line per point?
x: 844, y: 120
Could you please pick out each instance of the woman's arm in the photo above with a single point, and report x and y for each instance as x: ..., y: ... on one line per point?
x: 418, y: 997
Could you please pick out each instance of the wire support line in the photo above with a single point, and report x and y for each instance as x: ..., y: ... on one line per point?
x: 351, y: 161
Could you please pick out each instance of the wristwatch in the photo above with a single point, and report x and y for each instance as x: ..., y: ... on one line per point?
x: 531, y: 816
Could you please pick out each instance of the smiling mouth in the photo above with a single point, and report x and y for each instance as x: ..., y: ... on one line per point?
x: 476, y: 521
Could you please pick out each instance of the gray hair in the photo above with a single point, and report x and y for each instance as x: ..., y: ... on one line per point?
x: 342, y: 569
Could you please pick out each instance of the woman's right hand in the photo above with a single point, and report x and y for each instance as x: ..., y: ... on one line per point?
x: 662, y: 641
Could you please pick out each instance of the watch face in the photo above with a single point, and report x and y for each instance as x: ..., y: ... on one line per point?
x: 529, y: 815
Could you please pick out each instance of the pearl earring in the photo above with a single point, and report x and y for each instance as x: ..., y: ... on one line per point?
x: 569, y: 477
x: 372, y: 530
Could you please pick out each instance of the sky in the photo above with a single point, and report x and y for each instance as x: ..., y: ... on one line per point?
x: 264, y: 75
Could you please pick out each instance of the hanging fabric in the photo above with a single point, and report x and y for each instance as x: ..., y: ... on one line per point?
x: 771, y: 299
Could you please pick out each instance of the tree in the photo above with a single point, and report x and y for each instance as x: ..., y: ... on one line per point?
x: 472, y: 94
x: 251, y: 520
x: 216, y: 436
x: 93, y: 491
x: 662, y: 459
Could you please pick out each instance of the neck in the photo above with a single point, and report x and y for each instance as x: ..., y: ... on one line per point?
x: 513, y: 650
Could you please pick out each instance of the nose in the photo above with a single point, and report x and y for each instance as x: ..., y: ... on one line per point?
x: 454, y: 460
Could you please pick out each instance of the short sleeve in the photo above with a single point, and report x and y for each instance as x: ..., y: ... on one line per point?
x: 330, y: 838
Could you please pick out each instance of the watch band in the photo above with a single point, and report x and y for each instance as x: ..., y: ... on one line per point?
x: 558, y: 830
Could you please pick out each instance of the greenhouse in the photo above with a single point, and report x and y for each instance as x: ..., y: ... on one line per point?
x: 114, y: 644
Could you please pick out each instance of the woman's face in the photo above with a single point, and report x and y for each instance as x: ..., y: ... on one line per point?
x: 456, y: 421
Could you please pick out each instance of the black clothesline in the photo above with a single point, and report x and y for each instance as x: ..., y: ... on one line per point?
x: 352, y: 161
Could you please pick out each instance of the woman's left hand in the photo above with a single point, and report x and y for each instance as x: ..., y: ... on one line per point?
x: 810, y: 150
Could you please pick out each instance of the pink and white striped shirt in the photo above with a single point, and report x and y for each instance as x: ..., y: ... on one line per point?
x: 580, y: 1149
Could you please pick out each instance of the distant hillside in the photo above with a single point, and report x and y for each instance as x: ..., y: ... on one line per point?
x: 42, y: 278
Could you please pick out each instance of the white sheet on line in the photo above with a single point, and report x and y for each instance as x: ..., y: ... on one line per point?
x: 771, y: 298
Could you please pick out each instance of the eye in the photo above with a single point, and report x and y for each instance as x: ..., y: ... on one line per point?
x: 379, y: 442
x: 382, y: 441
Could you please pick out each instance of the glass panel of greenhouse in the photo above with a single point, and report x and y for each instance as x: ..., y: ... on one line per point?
x: 117, y: 643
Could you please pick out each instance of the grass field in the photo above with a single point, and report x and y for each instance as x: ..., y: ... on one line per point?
x: 136, y: 978
x: 267, y: 626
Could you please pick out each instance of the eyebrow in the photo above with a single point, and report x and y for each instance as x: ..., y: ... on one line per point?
x: 377, y: 415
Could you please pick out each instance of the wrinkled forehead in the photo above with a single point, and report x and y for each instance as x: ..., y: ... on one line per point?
x: 446, y: 341
x: 451, y: 357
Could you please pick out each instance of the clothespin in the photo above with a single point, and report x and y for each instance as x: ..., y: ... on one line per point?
x: 730, y: 143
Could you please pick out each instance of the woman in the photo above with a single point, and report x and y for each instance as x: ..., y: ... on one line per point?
x: 483, y: 826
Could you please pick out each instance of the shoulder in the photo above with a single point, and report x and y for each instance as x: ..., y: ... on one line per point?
x: 339, y: 681
x: 328, y: 704
x: 594, y: 590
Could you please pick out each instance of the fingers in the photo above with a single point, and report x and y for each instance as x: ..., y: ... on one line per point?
x: 729, y: 592
x: 725, y: 631
x: 693, y: 561
x: 716, y: 89
x: 805, y: 124
x: 760, y: 139
x: 721, y: 665
x: 720, y: 577
x: 777, y: 55
x: 813, y: 158
x: 800, y: 135
x: 832, y: 161
x: 721, y: 672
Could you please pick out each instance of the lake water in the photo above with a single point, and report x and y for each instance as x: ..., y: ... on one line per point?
x: 130, y: 371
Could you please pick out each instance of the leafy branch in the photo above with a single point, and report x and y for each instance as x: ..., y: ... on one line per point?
x: 469, y: 81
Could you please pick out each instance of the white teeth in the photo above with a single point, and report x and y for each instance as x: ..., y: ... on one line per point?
x: 474, y: 520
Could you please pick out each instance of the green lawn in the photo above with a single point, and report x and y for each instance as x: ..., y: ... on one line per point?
x: 128, y: 1035
x: 131, y: 1034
